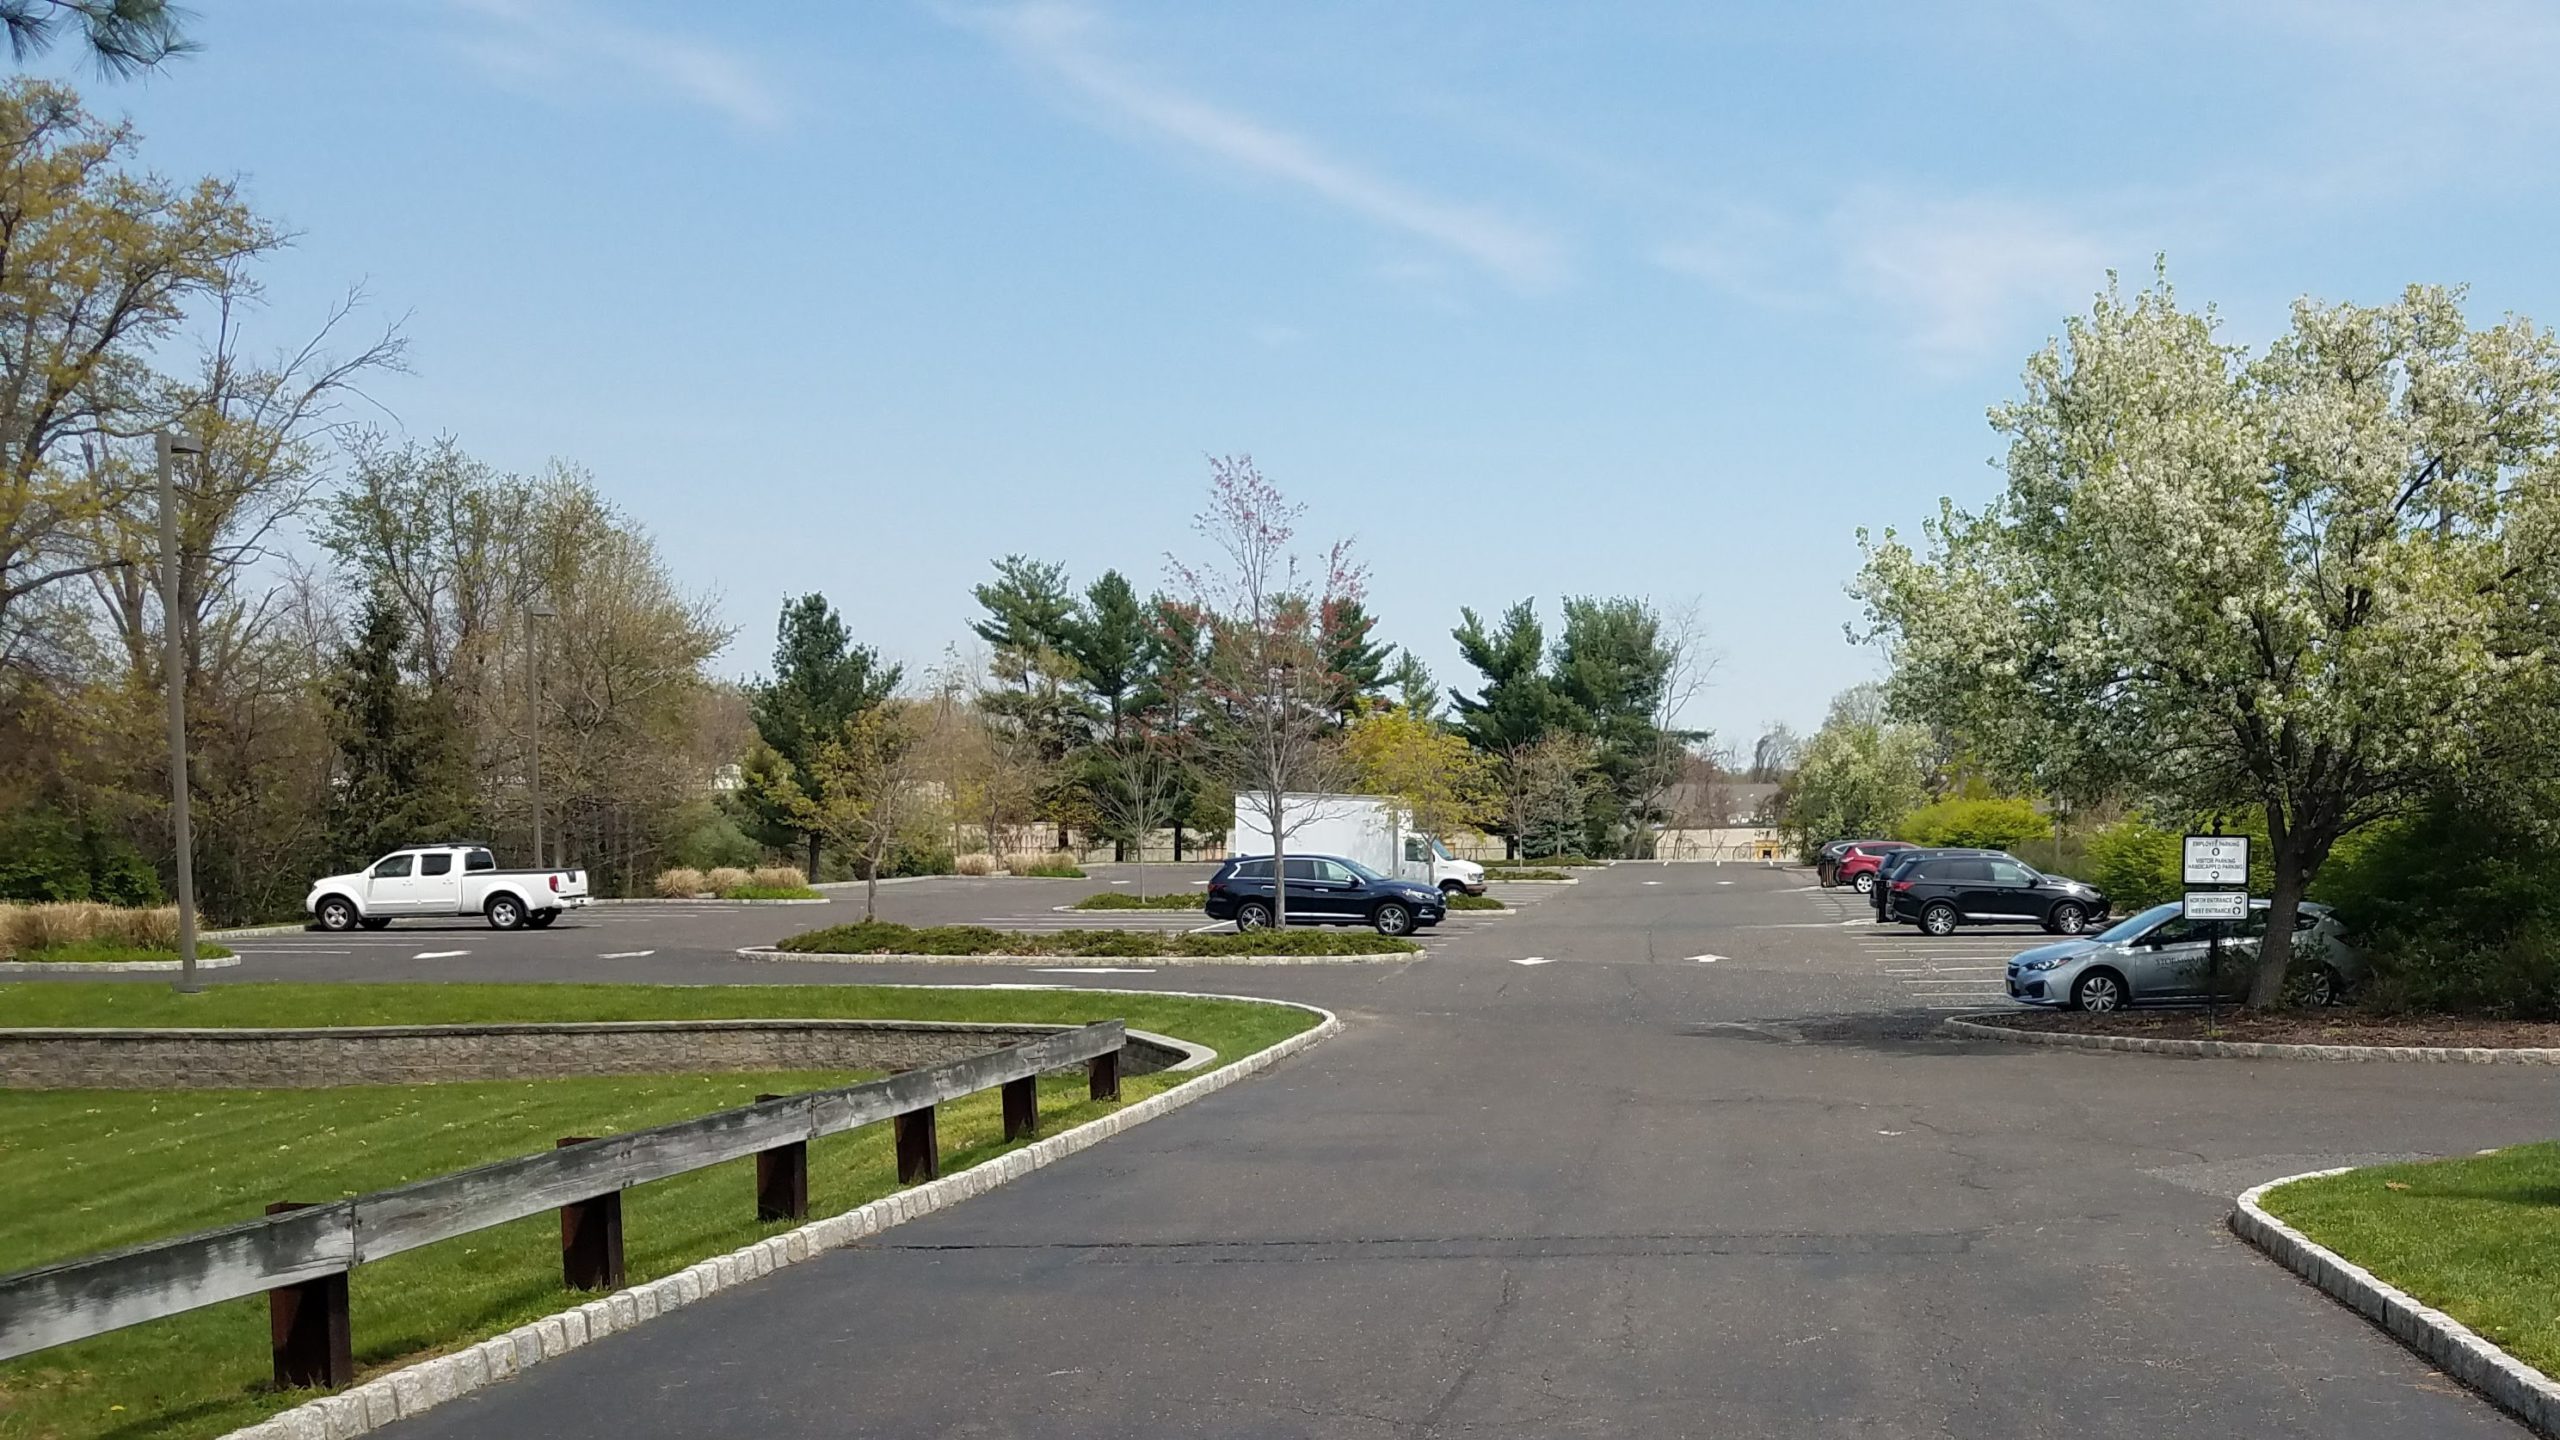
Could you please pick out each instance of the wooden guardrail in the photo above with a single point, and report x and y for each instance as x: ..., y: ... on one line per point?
x: 299, y: 1255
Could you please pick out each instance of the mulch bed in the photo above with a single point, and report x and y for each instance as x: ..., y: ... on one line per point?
x: 2309, y: 1027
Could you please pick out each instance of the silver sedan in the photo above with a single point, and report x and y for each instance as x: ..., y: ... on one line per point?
x: 2160, y: 956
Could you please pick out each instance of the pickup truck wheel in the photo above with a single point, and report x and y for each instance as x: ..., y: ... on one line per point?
x: 1393, y: 919
x: 336, y: 913
x: 377, y: 922
x: 541, y: 919
x: 506, y: 912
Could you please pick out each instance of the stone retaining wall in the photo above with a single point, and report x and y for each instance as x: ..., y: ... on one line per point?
x: 208, y: 1059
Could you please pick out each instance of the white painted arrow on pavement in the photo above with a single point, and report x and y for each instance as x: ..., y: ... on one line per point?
x: 1707, y: 959
x: 626, y: 954
x: 438, y: 954
x: 1533, y: 960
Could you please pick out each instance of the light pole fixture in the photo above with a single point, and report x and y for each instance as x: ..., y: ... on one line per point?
x: 538, y: 610
x: 165, y: 446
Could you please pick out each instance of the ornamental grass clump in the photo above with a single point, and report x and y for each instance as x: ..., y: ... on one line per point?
x: 682, y: 883
x: 76, y: 922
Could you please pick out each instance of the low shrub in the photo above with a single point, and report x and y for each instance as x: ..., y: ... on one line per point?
x: 1044, y: 870
x: 880, y: 937
x: 75, y: 922
x: 1117, y: 900
x: 725, y: 878
x: 771, y: 892
x: 680, y: 883
x: 1537, y: 874
x: 1475, y: 902
x: 1995, y: 823
x: 976, y: 864
x: 778, y: 877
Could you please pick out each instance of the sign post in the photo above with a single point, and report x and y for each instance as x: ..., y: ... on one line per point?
x: 2216, y: 861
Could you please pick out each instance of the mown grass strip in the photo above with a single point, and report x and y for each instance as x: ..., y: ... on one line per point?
x: 1117, y: 900
x: 876, y: 937
x: 2478, y: 1237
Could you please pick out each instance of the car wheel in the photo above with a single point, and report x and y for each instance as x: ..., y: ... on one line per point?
x: 2098, y: 992
x: 377, y: 922
x: 1452, y: 887
x: 1939, y: 919
x: 337, y: 913
x: 2324, y: 988
x: 506, y: 913
x: 1253, y: 915
x: 1393, y: 919
x: 541, y: 919
x: 2067, y: 919
x: 1866, y: 882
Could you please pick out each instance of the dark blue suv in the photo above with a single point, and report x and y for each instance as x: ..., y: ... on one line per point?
x: 1323, y: 890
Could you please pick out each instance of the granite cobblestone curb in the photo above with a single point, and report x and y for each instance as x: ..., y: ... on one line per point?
x: 413, y: 1389
x: 251, y: 932
x: 2447, y: 1343
x: 769, y: 952
x: 111, y: 967
x: 2263, y: 1049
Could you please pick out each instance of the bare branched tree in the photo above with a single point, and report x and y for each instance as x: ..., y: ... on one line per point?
x: 1268, y: 727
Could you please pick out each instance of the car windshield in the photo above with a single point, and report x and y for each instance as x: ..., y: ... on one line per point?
x: 1356, y: 868
x: 2137, y: 924
x: 1439, y: 849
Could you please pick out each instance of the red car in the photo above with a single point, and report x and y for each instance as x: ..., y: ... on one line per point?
x: 1859, y: 862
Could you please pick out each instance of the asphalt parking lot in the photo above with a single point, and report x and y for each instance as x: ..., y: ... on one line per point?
x: 1676, y: 1150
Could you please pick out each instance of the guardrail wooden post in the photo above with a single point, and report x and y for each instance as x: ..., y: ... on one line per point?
x: 1103, y: 1076
x: 919, y: 1155
x: 1022, y: 1108
x: 782, y: 1179
x: 308, y: 1328
x: 591, y: 1236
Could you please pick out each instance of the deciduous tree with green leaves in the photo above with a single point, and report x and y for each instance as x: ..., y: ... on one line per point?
x: 1857, y: 777
x: 2312, y: 577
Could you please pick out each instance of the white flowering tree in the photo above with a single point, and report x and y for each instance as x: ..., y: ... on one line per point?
x: 2300, y: 581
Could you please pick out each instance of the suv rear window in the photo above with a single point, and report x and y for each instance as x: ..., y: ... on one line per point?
x: 1251, y: 870
x: 1957, y: 870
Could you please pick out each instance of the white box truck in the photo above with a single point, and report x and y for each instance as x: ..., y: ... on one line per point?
x: 1374, y: 830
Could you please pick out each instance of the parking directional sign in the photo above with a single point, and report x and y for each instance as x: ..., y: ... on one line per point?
x: 2217, y: 860
x: 2217, y: 905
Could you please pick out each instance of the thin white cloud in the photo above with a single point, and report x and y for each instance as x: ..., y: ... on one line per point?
x: 1957, y: 279
x: 1059, y: 40
x: 528, y: 42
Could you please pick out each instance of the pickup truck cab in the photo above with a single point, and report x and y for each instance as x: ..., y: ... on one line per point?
x: 441, y: 881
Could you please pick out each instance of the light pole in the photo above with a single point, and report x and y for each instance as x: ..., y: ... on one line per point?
x: 533, y: 717
x: 166, y: 445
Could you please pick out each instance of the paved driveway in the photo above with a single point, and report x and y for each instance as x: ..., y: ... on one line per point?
x: 1623, y: 1191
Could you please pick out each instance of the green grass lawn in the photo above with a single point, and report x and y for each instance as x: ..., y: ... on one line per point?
x: 86, y: 1170
x: 99, y: 952
x: 1122, y: 900
x: 2478, y: 1238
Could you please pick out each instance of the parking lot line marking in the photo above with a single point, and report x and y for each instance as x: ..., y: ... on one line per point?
x: 439, y: 954
x: 626, y: 954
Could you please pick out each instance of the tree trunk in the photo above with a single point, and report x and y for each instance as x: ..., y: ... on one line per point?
x: 1177, y: 844
x: 1279, y: 869
x: 813, y: 857
x: 871, y: 894
x: 2289, y: 847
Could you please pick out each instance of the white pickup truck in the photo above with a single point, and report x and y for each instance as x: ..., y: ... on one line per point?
x: 444, y: 880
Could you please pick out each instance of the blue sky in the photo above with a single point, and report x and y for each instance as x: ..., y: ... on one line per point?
x: 1533, y: 300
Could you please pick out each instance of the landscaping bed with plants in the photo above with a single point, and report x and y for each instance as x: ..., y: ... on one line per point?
x: 113, y: 1168
x: 879, y: 937
x: 2471, y: 1237
x: 1494, y: 876
x: 2291, y: 1027
x: 1475, y: 902
x: 84, y: 932
x: 1116, y: 900
x: 772, y: 882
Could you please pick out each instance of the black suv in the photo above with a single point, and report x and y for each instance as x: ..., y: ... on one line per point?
x: 1945, y: 891
x: 1897, y: 864
x: 1323, y: 890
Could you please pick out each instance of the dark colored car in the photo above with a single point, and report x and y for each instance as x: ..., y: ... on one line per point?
x: 1894, y: 864
x: 1859, y: 863
x: 1944, y: 891
x: 1323, y: 890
